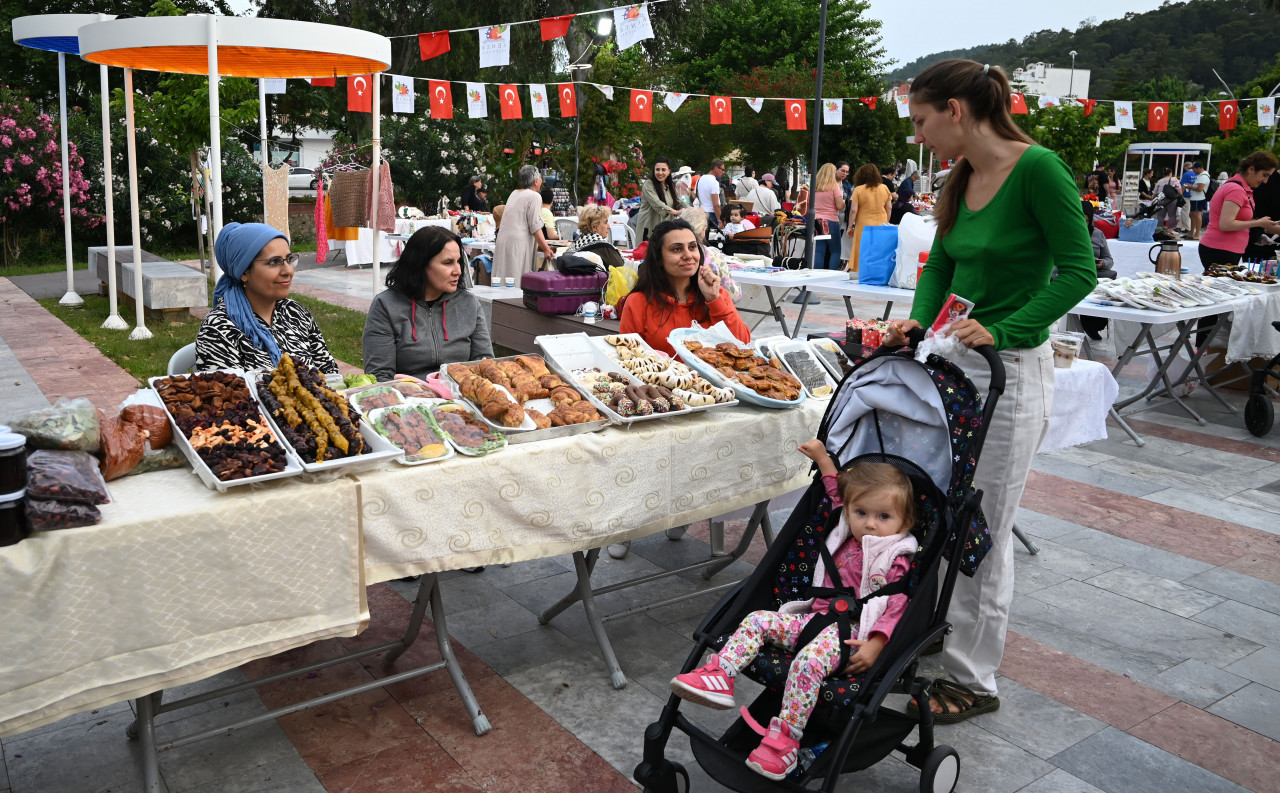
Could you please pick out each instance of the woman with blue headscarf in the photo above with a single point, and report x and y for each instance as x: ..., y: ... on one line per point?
x: 253, y: 320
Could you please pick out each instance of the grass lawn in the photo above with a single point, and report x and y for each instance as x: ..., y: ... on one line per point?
x: 142, y: 359
x: 342, y: 329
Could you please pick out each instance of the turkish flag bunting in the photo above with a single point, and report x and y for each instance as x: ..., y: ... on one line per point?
x: 1019, y: 104
x: 555, y: 27
x: 328, y: 82
x: 795, y: 114
x: 642, y: 106
x: 1227, y: 112
x: 509, y: 98
x: 360, y: 93
x: 568, y: 100
x: 441, y: 98
x: 1158, y: 117
x: 721, y: 110
x: 1089, y: 105
x: 432, y: 44
x: 869, y: 101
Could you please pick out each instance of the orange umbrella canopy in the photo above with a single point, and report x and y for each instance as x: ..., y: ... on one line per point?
x: 247, y: 47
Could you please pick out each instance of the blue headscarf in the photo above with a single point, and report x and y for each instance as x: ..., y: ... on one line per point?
x: 237, y: 246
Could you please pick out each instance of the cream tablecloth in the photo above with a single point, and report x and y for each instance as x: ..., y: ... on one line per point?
x: 177, y: 583
x: 554, y: 497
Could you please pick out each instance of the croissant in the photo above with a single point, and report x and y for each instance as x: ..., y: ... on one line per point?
x: 539, y: 419
x: 564, y: 395
x: 459, y: 372
x: 533, y: 364
x: 489, y: 370
x: 551, y: 381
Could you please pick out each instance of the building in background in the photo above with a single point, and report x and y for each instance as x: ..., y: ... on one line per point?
x: 1044, y: 79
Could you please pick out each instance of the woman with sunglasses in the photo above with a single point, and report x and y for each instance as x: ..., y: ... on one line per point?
x: 253, y: 321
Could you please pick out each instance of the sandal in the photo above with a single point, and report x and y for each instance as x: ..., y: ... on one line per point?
x: 953, y: 695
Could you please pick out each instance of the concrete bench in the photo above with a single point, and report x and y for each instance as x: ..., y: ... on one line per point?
x: 167, y: 287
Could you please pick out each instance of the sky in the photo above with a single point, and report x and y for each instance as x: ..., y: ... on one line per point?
x: 921, y: 27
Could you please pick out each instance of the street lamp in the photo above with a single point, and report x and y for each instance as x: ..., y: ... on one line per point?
x: 1071, y: 84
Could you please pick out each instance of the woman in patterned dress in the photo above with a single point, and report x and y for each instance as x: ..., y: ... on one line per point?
x: 253, y: 321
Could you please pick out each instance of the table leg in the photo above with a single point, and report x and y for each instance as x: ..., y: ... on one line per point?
x: 758, y: 516
x: 1197, y: 356
x: 1162, y: 374
x: 777, y: 310
x: 848, y: 306
x: 1032, y: 548
x: 426, y: 585
x: 888, y: 306
x: 568, y: 600
x: 716, y: 528
x: 479, y: 722
x: 616, y: 675
x: 804, y: 305
x: 1124, y: 425
x: 146, y: 730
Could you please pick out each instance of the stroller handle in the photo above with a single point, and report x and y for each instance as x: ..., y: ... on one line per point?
x: 988, y: 353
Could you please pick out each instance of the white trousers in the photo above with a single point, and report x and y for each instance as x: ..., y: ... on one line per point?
x: 979, y: 608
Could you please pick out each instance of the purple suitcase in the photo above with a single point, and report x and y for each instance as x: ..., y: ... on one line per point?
x: 552, y: 292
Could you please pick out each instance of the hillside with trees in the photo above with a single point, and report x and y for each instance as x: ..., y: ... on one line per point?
x: 1184, y: 42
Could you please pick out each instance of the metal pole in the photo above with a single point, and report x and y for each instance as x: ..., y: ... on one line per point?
x: 215, y: 145
x: 262, y: 129
x: 376, y: 184
x: 140, y: 330
x: 813, y: 151
x: 114, y: 321
x: 70, y: 298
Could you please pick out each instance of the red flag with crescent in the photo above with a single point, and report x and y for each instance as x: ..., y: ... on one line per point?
x: 795, y: 114
x: 441, y: 98
x: 869, y: 101
x: 642, y: 106
x: 432, y: 44
x: 509, y: 97
x: 568, y: 100
x: 1158, y: 117
x: 1227, y: 112
x: 721, y: 110
x: 1018, y: 104
x: 1089, y: 105
x: 327, y: 82
x: 360, y: 93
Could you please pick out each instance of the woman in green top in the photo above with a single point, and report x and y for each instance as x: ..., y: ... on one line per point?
x: 1008, y: 215
x: 658, y: 201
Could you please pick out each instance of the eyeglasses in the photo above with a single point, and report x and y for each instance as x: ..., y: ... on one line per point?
x: 276, y: 262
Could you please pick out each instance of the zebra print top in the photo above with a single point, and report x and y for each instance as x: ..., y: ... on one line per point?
x: 222, y: 345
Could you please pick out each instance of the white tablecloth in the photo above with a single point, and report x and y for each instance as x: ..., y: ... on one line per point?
x: 1082, y: 395
x: 176, y: 584
x: 360, y: 251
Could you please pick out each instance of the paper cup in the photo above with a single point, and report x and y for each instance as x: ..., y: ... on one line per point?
x: 510, y: 281
x: 1066, y: 348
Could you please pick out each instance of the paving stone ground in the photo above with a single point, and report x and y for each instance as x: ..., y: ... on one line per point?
x: 1143, y: 652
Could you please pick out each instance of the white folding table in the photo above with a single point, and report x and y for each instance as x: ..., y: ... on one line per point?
x: 786, y: 280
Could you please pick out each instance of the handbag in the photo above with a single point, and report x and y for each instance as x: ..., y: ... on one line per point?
x: 788, y: 262
x: 877, y: 255
x: 820, y: 226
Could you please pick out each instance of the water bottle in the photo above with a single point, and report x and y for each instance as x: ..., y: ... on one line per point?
x: 806, y: 757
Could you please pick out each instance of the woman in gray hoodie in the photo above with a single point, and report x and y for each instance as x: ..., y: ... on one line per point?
x: 426, y: 317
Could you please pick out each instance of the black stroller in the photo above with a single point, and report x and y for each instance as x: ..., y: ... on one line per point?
x: 1259, y: 413
x: 889, y: 408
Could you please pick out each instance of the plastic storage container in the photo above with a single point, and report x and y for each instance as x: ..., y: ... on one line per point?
x: 13, y: 462
x: 13, y: 519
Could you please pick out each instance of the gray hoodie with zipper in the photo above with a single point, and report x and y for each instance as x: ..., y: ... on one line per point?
x: 403, y: 336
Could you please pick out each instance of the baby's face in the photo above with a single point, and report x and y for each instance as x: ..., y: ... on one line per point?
x: 874, y: 512
x: 735, y: 217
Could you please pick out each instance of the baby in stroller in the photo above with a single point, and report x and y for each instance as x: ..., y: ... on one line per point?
x: 871, y: 547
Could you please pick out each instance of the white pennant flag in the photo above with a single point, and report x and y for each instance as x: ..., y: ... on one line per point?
x: 1267, y: 112
x: 538, y: 100
x: 755, y: 103
x: 1049, y: 101
x: 607, y: 90
x: 832, y: 111
x: 674, y: 101
x: 401, y: 94
x: 1124, y: 115
x: 903, y: 103
x: 1191, y: 114
x: 632, y: 25
x: 274, y: 85
x: 477, y: 102
x: 495, y: 45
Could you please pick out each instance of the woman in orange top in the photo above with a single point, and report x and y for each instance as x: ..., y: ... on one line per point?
x: 869, y: 206
x: 675, y: 289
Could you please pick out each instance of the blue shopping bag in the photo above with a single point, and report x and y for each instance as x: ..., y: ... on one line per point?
x: 1140, y: 231
x: 877, y: 254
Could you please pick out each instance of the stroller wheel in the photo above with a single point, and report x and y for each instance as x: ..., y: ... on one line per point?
x: 940, y: 771
x: 663, y: 779
x: 1259, y: 415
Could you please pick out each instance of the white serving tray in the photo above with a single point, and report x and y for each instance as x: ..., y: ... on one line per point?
x: 450, y: 451
x: 610, y: 352
x: 568, y: 351
x: 802, y: 347
x: 837, y: 374
x: 466, y: 451
x: 543, y: 406
x: 292, y: 466
x: 677, y: 339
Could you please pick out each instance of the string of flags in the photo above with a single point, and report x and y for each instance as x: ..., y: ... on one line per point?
x: 1158, y: 112
x: 511, y: 104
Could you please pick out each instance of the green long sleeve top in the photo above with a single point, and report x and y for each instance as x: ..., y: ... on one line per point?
x: 1002, y: 256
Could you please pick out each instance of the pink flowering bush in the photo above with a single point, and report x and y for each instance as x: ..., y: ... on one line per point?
x: 31, y: 174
